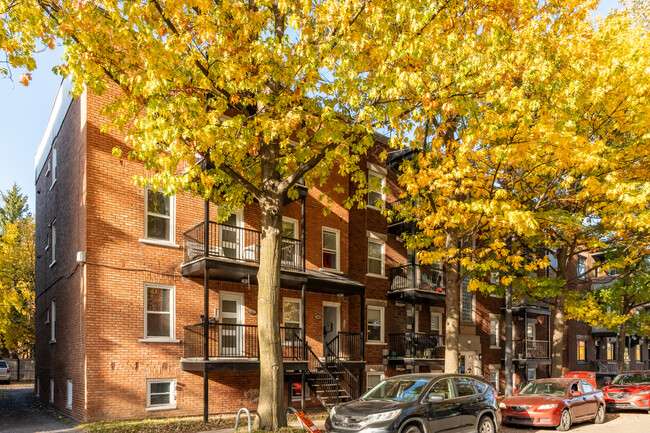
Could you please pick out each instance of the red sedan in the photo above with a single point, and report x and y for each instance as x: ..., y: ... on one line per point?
x: 629, y: 391
x: 554, y: 403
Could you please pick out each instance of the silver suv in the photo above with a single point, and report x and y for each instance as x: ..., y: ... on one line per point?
x: 5, y: 372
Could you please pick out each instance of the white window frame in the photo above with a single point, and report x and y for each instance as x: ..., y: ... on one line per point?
x: 53, y: 321
x: 52, y: 243
x: 295, y: 301
x: 294, y: 222
x: 172, y: 312
x: 494, y: 368
x: 337, y: 234
x: 583, y: 277
x: 416, y: 321
x: 440, y: 324
x: 378, y: 172
x: 528, y: 375
x: 497, y: 319
x: 53, y: 167
x: 373, y: 373
x: 172, y: 395
x: 51, y: 390
x: 172, y: 222
x: 473, y: 310
x: 380, y: 240
x: 534, y: 328
x: 68, y: 400
x: 381, y: 324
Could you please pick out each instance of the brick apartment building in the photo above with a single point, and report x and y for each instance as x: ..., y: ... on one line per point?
x: 120, y: 288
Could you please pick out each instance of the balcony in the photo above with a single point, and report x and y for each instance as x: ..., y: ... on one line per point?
x: 399, y: 224
x: 235, y: 347
x: 233, y: 252
x: 535, y: 350
x: 346, y: 346
x: 416, y: 349
x: 416, y: 283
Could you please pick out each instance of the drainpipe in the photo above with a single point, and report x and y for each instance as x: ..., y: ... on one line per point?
x: 206, y: 300
x: 303, y: 235
x: 508, y: 361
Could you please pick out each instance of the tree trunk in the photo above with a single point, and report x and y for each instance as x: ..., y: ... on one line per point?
x: 452, y: 306
x: 268, y: 300
x: 620, y: 348
x: 557, y: 342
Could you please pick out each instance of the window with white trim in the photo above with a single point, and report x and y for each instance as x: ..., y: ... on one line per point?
x: 582, y: 267
x: 53, y: 321
x: 161, y: 394
x: 51, y: 244
x: 376, y: 184
x: 375, y: 324
x: 53, y: 166
x: 494, y: 376
x: 375, y: 256
x: 159, y: 216
x: 291, y: 317
x: 159, y: 312
x: 467, y: 303
x: 436, y: 323
x: 531, y: 329
x: 373, y: 378
x: 410, y: 321
x: 51, y: 390
x: 68, y: 400
x: 290, y: 254
x: 494, y: 331
x: 331, y: 240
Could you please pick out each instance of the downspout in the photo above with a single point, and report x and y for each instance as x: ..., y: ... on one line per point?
x: 206, y: 300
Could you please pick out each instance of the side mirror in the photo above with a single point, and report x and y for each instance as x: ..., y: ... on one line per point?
x: 607, y: 383
x: 576, y: 393
x: 435, y: 398
x: 515, y: 392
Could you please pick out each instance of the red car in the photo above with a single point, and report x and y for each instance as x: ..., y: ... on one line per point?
x: 629, y: 391
x: 589, y: 376
x: 554, y: 403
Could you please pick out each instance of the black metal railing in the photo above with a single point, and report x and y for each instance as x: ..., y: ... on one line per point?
x: 346, y: 345
x: 226, y: 340
x: 531, y: 349
x: 238, y: 243
x: 416, y: 277
x: 426, y: 346
x: 347, y: 380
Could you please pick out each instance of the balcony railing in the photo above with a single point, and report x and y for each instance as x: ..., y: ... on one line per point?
x: 346, y: 346
x: 226, y: 340
x: 531, y: 349
x: 239, y: 244
x: 416, y: 346
x: 416, y: 277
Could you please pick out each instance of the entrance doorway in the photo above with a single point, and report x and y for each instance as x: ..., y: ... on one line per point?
x: 231, y: 335
x: 468, y: 361
x: 331, y: 325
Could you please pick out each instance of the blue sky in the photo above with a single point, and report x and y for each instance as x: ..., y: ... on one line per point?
x: 24, y: 112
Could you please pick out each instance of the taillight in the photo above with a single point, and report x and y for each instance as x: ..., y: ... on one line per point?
x: 8, y: 370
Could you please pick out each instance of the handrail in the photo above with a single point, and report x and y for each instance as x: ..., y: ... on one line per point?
x: 249, y: 419
x: 351, y: 384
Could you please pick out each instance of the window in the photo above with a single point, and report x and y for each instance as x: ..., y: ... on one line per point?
x: 375, y: 257
x: 611, y: 351
x: 464, y: 386
x: 330, y: 248
x: 627, y: 354
x: 372, y: 379
x: 375, y: 324
x: 290, y: 255
x: 409, y: 319
x: 586, y: 387
x: 51, y: 390
x: 467, y: 303
x: 291, y: 318
x: 531, y: 374
x: 494, y: 377
x: 68, y: 400
x: 494, y: 331
x: 637, y: 353
x: 159, y: 216
x: 53, y: 167
x: 480, y: 387
x: 531, y: 329
x: 436, y: 323
x: 442, y: 387
x: 161, y: 394
x: 296, y: 391
x: 51, y: 244
x: 376, y: 183
x: 53, y: 322
x: 582, y: 351
x: 582, y: 267
x: 159, y: 312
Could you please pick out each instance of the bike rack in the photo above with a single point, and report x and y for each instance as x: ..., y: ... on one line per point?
x: 243, y: 409
x: 293, y: 411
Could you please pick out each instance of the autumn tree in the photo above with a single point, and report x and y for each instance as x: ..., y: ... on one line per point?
x: 16, y: 275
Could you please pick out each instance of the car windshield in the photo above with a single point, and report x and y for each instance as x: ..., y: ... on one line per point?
x: 632, y: 379
x: 558, y: 389
x: 401, y: 390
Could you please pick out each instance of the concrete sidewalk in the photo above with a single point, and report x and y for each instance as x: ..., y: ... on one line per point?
x: 319, y: 423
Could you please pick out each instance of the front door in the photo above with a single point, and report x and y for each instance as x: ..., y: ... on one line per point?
x: 330, y: 326
x: 468, y: 363
x: 230, y: 237
x: 231, y: 331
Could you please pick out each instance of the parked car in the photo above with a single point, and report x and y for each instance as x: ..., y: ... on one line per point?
x: 5, y: 372
x: 629, y: 391
x: 589, y: 376
x: 555, y: 403
x: 421, y: 403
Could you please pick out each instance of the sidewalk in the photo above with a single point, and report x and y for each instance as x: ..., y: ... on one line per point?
x: 319, y: 423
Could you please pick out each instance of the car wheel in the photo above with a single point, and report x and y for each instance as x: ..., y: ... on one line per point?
x: 486, y: 425
x: 412, y: 429
x: 600, y: 415
x: 565, y: 421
